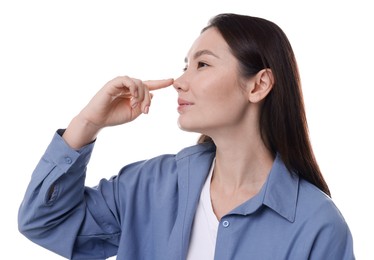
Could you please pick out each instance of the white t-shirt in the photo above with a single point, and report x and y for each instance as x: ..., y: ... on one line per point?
x: 205, y: 226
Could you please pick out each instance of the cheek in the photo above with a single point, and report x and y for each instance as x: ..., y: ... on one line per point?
x: 224, y: 92
x: 217, y: 88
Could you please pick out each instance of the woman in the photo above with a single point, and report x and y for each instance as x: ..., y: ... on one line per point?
x: 250, y: 189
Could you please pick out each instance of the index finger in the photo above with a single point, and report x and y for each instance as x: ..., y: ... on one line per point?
x: 158, y: 84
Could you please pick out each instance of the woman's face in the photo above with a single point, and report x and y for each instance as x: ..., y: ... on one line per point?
x: 211, y: 99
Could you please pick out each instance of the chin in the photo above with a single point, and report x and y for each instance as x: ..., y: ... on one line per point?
x: 187, y: 126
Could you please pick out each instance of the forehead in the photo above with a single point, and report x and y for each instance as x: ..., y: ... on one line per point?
x: 211, y: 40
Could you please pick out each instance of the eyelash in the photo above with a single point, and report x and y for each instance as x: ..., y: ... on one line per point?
x: 199, y: 65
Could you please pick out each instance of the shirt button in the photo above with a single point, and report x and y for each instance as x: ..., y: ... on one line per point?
x: 68, y: 160
x: 225, y: 223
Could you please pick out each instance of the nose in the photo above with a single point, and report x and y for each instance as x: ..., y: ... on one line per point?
x: 180, y: 84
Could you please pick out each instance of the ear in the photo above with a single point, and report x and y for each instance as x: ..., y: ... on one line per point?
x: 261, y: 86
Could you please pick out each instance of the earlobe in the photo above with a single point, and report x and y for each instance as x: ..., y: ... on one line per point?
x: 261, y: 87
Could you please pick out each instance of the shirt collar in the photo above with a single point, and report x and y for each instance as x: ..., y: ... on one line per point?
x: 279, y: 193
x: 281, y: 190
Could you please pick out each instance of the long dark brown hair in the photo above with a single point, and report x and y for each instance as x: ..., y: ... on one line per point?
x: 258, y: 44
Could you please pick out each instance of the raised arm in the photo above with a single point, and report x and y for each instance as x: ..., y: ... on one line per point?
x: 58, y: 211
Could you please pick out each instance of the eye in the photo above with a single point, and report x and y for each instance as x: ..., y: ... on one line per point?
x: 201, y: 64
x: 185, y: 68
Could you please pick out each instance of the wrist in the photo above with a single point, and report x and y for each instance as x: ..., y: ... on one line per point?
x: 80, y: 132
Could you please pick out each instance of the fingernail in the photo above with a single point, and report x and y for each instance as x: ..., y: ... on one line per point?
x: 146, y: 109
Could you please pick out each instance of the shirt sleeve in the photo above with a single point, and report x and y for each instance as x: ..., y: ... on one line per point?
x: 57, y: 207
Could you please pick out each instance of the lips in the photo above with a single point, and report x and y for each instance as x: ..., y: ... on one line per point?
x: 183, y: 105
x: 182, y: 102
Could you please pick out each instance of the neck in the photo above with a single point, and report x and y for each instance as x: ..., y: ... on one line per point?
x: 242, y: 163
x: 240, y: 171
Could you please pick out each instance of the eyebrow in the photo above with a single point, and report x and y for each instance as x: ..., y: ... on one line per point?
x: 200, y: 53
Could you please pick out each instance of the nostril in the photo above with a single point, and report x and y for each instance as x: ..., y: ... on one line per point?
x: 177, y: 85
x: 181, y: 84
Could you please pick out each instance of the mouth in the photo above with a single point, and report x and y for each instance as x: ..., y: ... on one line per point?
x: 183, y: 105
x: 182, y: 102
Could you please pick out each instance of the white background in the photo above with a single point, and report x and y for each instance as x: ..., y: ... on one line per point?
x: 54, y: 55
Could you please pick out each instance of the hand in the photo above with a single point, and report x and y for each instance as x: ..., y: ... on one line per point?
x: 121, y: 100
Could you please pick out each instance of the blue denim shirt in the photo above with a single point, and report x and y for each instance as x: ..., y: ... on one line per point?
x: 147, y: 210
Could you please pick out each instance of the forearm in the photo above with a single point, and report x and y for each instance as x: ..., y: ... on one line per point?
x: 53, y: 206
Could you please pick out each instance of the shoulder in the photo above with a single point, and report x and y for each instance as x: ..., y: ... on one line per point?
x: 323, y: 222
x: 166, y: 163
x: 166, y: 160
x: 196, y: 150
x: 193, y: 152
x: 318, y: 209
x: 312, y: 200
